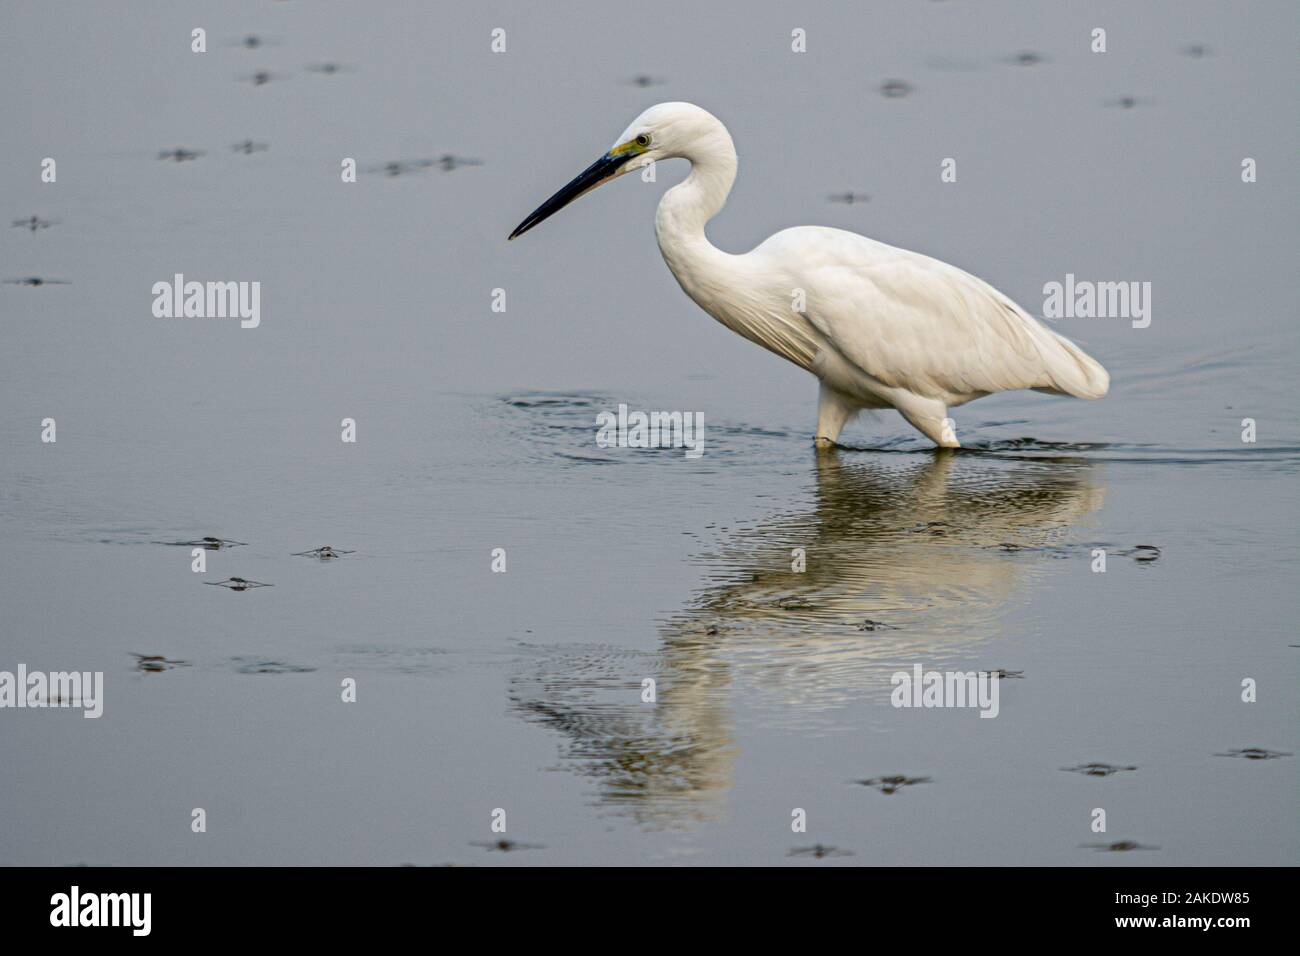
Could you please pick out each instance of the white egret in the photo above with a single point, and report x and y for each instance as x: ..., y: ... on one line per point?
x: 880, y: 327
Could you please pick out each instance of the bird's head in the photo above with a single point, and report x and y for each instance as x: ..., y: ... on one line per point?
x: 665, y: 131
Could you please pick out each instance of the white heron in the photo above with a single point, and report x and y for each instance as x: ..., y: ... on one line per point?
x: 880, y: 327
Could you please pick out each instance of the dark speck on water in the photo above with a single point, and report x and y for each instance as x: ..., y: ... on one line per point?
x: 870, y: 625
x: 239, y: 584
x: 891, y: 784
x: 819, y: 851
x: 507, y: 846
x: 155, y: 663
x: 1119, y: 846
x: 324, y: 553
x: 244, y: 665
x: 1096, y: 769
x: 207, y: 542
x: 1255, y: 753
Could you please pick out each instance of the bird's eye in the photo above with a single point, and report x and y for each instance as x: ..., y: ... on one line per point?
x: 643, y: 140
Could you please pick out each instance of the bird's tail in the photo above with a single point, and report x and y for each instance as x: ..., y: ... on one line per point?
x: 1071, y: 370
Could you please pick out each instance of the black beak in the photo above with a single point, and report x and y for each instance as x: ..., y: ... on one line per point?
x: 598, y: 172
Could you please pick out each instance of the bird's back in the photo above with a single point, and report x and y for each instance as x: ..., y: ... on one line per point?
x: 913, y: 322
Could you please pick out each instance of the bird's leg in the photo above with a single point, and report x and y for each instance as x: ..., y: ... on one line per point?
x: 929, y: 416
x: 833, y: 410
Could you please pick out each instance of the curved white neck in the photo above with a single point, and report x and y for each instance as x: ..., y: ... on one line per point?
x: 725, y: 286
x: 684, y: 210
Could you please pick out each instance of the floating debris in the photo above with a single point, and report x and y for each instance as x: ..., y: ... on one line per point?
x: 891, y: 784
x: 870, y: 625
x: 1256, y: 753
x: 506, y: 846
x: 399, y: 167
x: 1027, y: 58
x: 180, y: 154
x: 1119, y: 846
x: 58, y: 700
x: 261, y: 77
x: 1003, y: 674
x: 325, y: 553
x: 545, y: 401
x: 33, y: 223
x: 155, y: 663
x: 446, y: 163
x: 895, y: 89
x: 252, y: 41
x: 1126, y: 102
x: 1196, y: 50
x: 238, y: 584
x: 449, y: 163
x: 1096, y: 769
x: 819, y: 851
x: 208, y: 542
x: 848, y: 198
x: 936, y: 529
x: 248, y: 147
x: 330, y: 69
x: 257, y: 665
x: 35, y: 281
x: 643, y: 81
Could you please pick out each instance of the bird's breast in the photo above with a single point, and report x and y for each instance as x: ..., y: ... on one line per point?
x: 751, y: 305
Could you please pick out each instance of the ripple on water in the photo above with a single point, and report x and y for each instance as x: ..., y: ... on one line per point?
x: 549, y: 427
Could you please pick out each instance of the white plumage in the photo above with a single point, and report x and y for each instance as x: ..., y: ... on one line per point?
x: 878, y: 326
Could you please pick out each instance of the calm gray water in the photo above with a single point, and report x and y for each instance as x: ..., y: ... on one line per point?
x: 476, y: 430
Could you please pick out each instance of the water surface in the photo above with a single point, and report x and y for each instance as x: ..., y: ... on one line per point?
x: 476, y: 430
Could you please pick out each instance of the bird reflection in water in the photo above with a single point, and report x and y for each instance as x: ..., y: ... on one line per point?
x: 791, y: 644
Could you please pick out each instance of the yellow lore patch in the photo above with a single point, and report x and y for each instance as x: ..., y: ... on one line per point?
x: 630, y: 148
